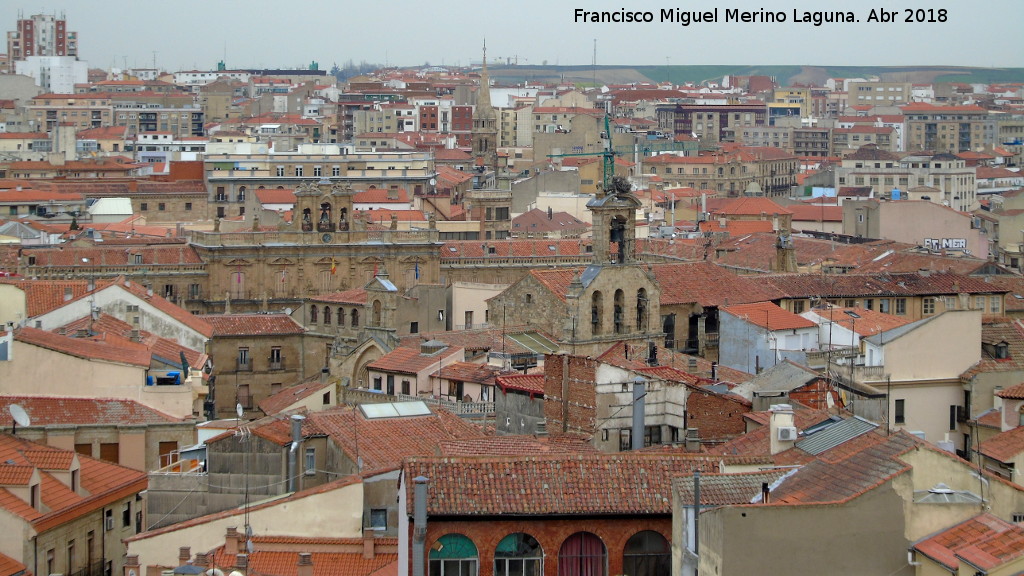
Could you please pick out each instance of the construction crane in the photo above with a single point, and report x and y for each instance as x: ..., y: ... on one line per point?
x: 609, y: 152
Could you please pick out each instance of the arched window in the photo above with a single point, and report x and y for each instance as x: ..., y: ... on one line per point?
x: 582, y: 554
x: 620, y: 301
x: 327, y: 314
x: 596, y: 312
x: 341, y: 317
x: 641, y: 310
x: 453, y: 555
x: 313, y: 314
x: 376, y: 313
x: 355, y: 317
x: 647, y: 553
x: 518, y: 554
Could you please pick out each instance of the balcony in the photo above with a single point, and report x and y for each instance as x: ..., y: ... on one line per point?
x: 244, y: 366
x: 277, y: 364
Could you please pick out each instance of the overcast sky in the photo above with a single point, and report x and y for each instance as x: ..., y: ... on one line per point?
x: 196, y: 34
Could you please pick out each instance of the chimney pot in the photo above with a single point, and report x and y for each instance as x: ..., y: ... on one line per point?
x: 241, y: 561
x: 184, y: 553
x: 305, y: 565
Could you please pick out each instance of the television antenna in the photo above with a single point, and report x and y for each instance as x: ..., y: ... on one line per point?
x: 19, y: 417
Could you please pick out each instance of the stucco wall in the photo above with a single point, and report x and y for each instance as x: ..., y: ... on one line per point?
x: 12, y: 305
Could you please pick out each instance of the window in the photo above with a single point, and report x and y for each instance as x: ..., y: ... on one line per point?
x: 928, y: 306
x: 310, y: 461
x: 378, y: 518
x: 298, y: 170
x: 244, y: 362
x: 901, y: 306
x: 414, y: 327
x: 624, y: 439
x: 327, y: 315
x: 869, y: 303
x: 900, y: 416
x: 188, y: 206
x: 647, y: 553
x: 313, y: 313
x: 518, y: 554
x: 280, y: 171
x: 406, y: 387
x: 144, y: 206
x: 126, y: 515
x: 377, y: 382
x: 355, y: 317
x: 995, y: 306
x: 453, y: 555
x: 883, y: 305
x: 582, y: 554
x: 161, y: 206
x: 335, y: 171
x: 652, y: 435
x: 276, y: 359
x: 798, y: 306
x: 979, y: 303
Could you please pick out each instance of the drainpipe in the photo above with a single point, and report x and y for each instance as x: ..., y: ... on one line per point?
x: 419, y: 525
x: 293, y: 450
x: 639, y: 391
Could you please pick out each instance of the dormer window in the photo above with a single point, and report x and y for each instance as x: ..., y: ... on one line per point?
x: 34, y: 497
x: 1002, y: 350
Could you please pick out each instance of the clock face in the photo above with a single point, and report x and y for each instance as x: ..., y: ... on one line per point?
x: 326, y: 238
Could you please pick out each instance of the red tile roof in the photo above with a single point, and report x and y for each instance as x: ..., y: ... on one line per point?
x: 1004, y: 446
x: 1015, y: 392
x: 49, y: 410
x: 103, y: 484
x: 709, y: 285
x: 769, y: 316
x: 586, y: 484
x: 985, y: 541
x: 357, y: 296
x: 107, y: 351
x: 381, y: 196
x: 275, y: 196
x: 326, y: 562
x: 253, y: 324
x: 532, y: 384
x: 518, y: 446
x: 410, y: 360
x: 746, y: 206
x: 292, y: 394
x: 42, y: 296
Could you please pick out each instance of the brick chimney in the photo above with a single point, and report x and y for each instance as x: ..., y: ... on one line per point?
x: 184, y: 553
x: 305, y: 565
x: 368, y: 551
x: 242, y: 562
x: 131, y: 563
x: 232, y: 540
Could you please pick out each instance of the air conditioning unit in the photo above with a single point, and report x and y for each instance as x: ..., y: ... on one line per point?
x: 787, y: 433
x: 108, y: 523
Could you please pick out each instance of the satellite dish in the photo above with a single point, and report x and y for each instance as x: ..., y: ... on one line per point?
x: 249, y: 547
x: 239, y: 410
x: 288, y: 311
x: 19, y: 416
x: 433, y: 181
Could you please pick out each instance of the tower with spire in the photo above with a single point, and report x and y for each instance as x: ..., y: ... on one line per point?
x: 485, y: 124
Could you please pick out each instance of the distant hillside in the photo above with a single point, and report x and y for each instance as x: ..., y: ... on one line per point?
x: 588, y: 75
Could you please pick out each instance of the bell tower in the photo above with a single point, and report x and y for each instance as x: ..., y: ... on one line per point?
x: 615, y: 223
x: 485, y: 123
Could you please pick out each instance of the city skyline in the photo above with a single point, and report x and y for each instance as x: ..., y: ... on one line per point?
x: 120, y: 33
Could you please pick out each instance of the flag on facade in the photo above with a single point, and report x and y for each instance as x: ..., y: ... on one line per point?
x: 374, y: 269
x: 417, y: 270
x: 334, y: 266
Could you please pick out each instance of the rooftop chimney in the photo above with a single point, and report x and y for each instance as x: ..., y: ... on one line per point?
x: 765, y: 493
x: 419, y: 523
x: 293, y: 467
x: 232, y: 541
x: 305, y: 565
x: 692, y: 440
x: 184, y: 553
x: 781, y: 428
x: 368, y: 538
x: 242, y: 561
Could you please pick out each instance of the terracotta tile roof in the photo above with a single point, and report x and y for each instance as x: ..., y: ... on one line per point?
x: 50, y: 459
x: 109, y: 328
x: 14, y: 475
x: 853, y: 285
x: 381, y: 196
x: 532, y: 384
x: 518, y: 446
x: 718, y: 489
x: 282, y: 400
x: 848, y: 470
x: 986, y: 541
x: 103, y: 483
x: 736, y: 227
x: 769, y: 316
x: 275, y: 196
x: 252, y: 324
x: 810, y: 213
x: 513, y: 248
x: 1004, y: 446
x: 42, y: 296
x: 586, y: 484
x: 108, y: 351
x: 746, y: 206
x: 411, y: 360
x: 537, y: 221
x: 11, y: 567
x: 468, y: 372
x: 357, y: 296
x: 870, y: 321
x: 50, y: 410
x: 633, y: 357
x: 1015, y: 392
x: 325, y: 562
x: 709, y: 285
x: 477, y: 340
